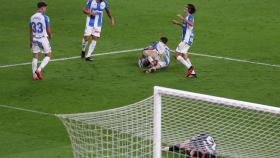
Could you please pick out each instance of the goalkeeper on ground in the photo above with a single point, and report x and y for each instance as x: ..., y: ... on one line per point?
x: 155, y: 56
x: 200, y: 146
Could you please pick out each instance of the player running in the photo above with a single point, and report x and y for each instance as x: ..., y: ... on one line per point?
x: 94, y: 11
x: 181, y: 53
x: 155, y: 57
x: 40, y: 33
x: 200, y: 146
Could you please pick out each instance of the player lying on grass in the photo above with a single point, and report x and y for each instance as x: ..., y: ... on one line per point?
x: 201, y: 146
x: 155, y: 57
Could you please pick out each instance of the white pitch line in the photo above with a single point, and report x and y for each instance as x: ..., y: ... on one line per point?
x: 74, y: 57
x: 138, y: 49
x: 238, y: 60
x: 119, y: 52
x: 26, y: 110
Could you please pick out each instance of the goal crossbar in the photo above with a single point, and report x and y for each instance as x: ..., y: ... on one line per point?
x: 217, y: 100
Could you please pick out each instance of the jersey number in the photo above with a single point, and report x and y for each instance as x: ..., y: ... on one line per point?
x: 37, y: 27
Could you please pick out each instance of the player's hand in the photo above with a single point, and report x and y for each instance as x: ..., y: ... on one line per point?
x: 180, y: 16
x: 164, y: 148
x: 175, y: 22
x: 92, y: 13
x: 112, y: 22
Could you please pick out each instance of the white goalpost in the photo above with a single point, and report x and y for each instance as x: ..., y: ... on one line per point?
x: 170, y: 117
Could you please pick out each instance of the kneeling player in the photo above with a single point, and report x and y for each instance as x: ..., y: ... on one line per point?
x: 201, y: 146
x: 155, y: 57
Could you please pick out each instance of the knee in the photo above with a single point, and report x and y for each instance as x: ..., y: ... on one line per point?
x: 86, y: 38
x: 48, y: 55
x: 94, y: 38
x: 36, y: 55
x: 176, y: 55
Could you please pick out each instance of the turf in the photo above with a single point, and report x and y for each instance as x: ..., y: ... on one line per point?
x: 243, y: 29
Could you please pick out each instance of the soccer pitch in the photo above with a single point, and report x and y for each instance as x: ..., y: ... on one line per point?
x: 238, y: 29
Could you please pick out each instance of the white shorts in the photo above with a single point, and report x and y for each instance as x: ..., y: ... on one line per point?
x: 95, y: 31
x: 183, y: 47
x: 41, y: 44
x: 162, y: 64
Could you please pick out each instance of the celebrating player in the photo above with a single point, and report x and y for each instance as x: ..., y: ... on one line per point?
x: 155, y: 57
x: 181, y: 53
x: 94, y: 11
x: 40, y: 33
x: 201, y: 146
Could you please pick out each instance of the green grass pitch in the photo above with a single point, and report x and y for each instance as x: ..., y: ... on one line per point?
x: 241, y: 29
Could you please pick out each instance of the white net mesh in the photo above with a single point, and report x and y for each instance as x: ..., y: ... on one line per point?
x: 240, y: 129
x: 119, y: 133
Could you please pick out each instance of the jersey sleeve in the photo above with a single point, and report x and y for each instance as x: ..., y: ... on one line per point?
x: 190, y: 18
x: 88, y: 4
x: 47, y: 20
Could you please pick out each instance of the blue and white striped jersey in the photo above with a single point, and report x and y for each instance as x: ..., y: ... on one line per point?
x: 161, y: 48
x: 39, y: 23
x: 188, y: 34
x: 96, y: 7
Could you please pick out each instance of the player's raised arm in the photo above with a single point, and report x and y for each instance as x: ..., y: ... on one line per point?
x: 112, y: 20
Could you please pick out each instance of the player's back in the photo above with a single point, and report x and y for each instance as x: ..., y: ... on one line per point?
x: 204, y: 142
x: 39, y: 23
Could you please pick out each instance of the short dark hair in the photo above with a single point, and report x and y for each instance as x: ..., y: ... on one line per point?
x: 191, y: 8
x: 41, y: 4
x: 164, y: 40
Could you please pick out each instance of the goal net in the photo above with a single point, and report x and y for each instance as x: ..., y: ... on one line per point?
x: 170, y: 117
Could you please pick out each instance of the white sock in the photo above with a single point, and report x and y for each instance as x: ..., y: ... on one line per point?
x: 84, y: 45
x: 34, y: 65
x: 188, y: 60
x: 44, y: 63
x: 91, y: 48
x: 183, y: 61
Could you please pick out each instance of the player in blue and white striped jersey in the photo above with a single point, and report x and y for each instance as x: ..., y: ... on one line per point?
x: 94, y: 11
x: 156, y: 56
x: 187, y: 25
x: 40, y: 33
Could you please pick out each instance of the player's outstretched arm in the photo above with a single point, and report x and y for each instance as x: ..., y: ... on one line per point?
x: 185, y: 20
x: 177, y: 23
x: 112, y: 20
